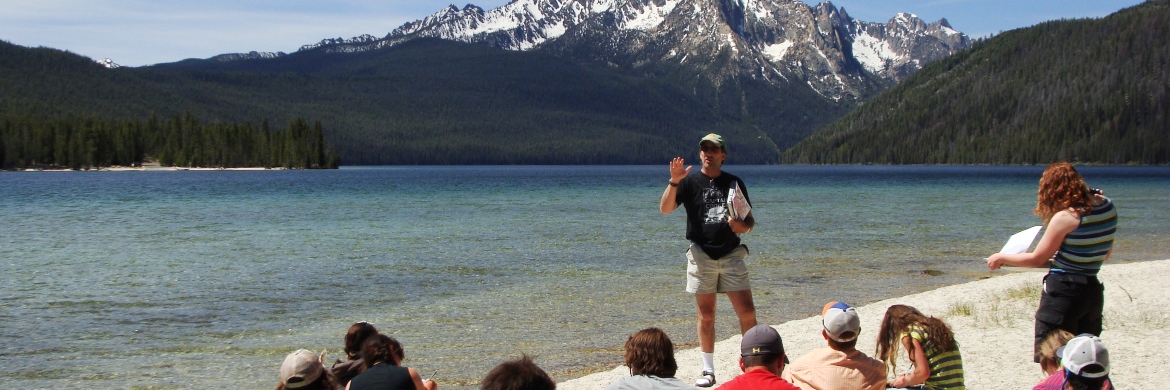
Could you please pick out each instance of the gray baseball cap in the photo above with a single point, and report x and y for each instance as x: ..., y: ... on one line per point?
x: 761, y: 340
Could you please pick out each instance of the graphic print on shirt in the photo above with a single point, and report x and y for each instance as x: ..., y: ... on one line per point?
x: 716, y: 202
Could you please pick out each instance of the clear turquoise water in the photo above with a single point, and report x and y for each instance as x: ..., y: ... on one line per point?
x: 196, y: 279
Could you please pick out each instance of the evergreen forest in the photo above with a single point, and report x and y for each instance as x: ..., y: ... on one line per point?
x: 181, y: 141
x: 426, y: 101
x: 1090, y: 91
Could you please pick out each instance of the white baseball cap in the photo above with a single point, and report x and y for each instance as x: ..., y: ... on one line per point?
x: 841, y: 321
x: 1085, y: 356
x: 301, y: 368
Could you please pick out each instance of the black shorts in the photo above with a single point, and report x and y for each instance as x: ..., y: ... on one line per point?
x: 1069, y: 302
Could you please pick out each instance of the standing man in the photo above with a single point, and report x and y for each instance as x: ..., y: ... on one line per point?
x: 715, y: 259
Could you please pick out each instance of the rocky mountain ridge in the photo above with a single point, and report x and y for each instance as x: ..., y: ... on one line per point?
x: 778, y: 41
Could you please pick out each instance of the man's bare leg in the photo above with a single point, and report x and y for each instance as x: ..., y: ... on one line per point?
x: 706, y: 306
x: 744, y: 307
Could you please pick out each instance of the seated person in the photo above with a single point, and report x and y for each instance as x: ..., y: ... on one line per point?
x: 762, y: 360
x: 382, y: 369
x: 839, y: 366
x: 1050, y: 361
x: 353, y: 365
x: 930, y: 346
x: 650, y: 357
x: 303, y: 370
x: 1086, y: 364
x: 519, y: 374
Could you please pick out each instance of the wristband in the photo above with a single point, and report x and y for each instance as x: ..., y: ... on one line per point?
x: 672, y: 184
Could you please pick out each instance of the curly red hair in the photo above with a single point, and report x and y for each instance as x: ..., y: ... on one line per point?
x: 1061, y: 188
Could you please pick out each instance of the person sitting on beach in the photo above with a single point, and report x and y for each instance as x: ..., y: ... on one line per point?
x: 382, y: 369
x: 650, y: 357
x: 933, y: 351
x: 839, y: 366
x: 304, y: 370
x: 762, y: 360
x: 1079, y: 225
x: 1050, y: 360
x: 519, y: 374
x: 354, y: 365
x: 1086, y: 364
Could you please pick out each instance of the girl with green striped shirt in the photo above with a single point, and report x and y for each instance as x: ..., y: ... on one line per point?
x: 930, y: 344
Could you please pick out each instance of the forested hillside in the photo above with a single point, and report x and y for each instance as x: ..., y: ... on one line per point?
x: 1090, y: 90
x: 423, y: 102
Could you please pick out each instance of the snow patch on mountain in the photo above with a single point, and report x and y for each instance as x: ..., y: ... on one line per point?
x: 777, y: 50
x: 651, y: 16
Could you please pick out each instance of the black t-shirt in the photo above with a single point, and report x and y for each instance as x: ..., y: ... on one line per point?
x: 383, y: 376
x: 706, y: 202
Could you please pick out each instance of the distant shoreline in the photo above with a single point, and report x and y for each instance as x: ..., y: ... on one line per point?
x: 147, y: 167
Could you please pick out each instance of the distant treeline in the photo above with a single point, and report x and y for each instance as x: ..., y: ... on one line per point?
x: 181, y: 141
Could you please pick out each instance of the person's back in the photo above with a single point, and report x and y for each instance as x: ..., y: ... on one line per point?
x: 829, y: 369
x: 839, y: 366
x: 383, y: 377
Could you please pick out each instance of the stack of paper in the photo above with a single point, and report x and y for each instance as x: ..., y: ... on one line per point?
x: 737, y: 204
x: 1019, y: 242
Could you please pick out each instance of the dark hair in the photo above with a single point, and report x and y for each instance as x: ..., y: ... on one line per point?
x: 843, y: 345
x: 759, y: 360
x: 519, y: 374
x: 1081, y: 383
x: 898, y: 320
x: 650, y: 352
x: 397, y: 352
x: 357, y: 334
x: 324, y: 381
x: 377, y: 349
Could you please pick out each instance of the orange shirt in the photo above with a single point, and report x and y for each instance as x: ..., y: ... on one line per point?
x: 829, y: 369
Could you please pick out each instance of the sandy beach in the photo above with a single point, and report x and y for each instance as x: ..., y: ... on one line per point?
x: 993, y: 322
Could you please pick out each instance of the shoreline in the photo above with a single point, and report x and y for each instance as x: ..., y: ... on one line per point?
x: 993, y: 322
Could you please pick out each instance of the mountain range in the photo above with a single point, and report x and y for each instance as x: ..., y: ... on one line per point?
x: 765, y: 72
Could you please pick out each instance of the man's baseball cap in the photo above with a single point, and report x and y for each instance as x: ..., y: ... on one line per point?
x: 716, y: 139
x: 301, y: 368
x: 1085, y: 356
x: 841, y: 321
x: 761, y: 340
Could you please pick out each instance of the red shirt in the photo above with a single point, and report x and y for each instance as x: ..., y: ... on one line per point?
x: 758, y: 380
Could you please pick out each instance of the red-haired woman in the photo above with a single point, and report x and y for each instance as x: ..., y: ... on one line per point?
x: 1078, y: 237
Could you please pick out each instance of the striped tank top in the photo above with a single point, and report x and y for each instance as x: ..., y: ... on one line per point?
x: 1085, y: 248
x: 946, y: 368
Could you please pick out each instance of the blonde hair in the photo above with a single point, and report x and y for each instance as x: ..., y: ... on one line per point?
x: 1046, y: 350
x: 1061, y: 188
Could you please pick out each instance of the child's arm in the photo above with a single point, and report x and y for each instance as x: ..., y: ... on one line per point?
x: 921, y: 365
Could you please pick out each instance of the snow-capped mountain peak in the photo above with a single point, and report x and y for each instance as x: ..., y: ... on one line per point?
x: 778, y: 40
x: 108, y: 63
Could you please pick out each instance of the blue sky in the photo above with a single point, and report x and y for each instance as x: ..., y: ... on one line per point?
x: 143, y: 32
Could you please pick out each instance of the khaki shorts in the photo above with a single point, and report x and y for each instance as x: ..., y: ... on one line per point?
x: 706, y: 276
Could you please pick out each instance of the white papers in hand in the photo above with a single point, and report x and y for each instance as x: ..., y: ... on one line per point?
x: 737, y: 205
x: 1020, y: 242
